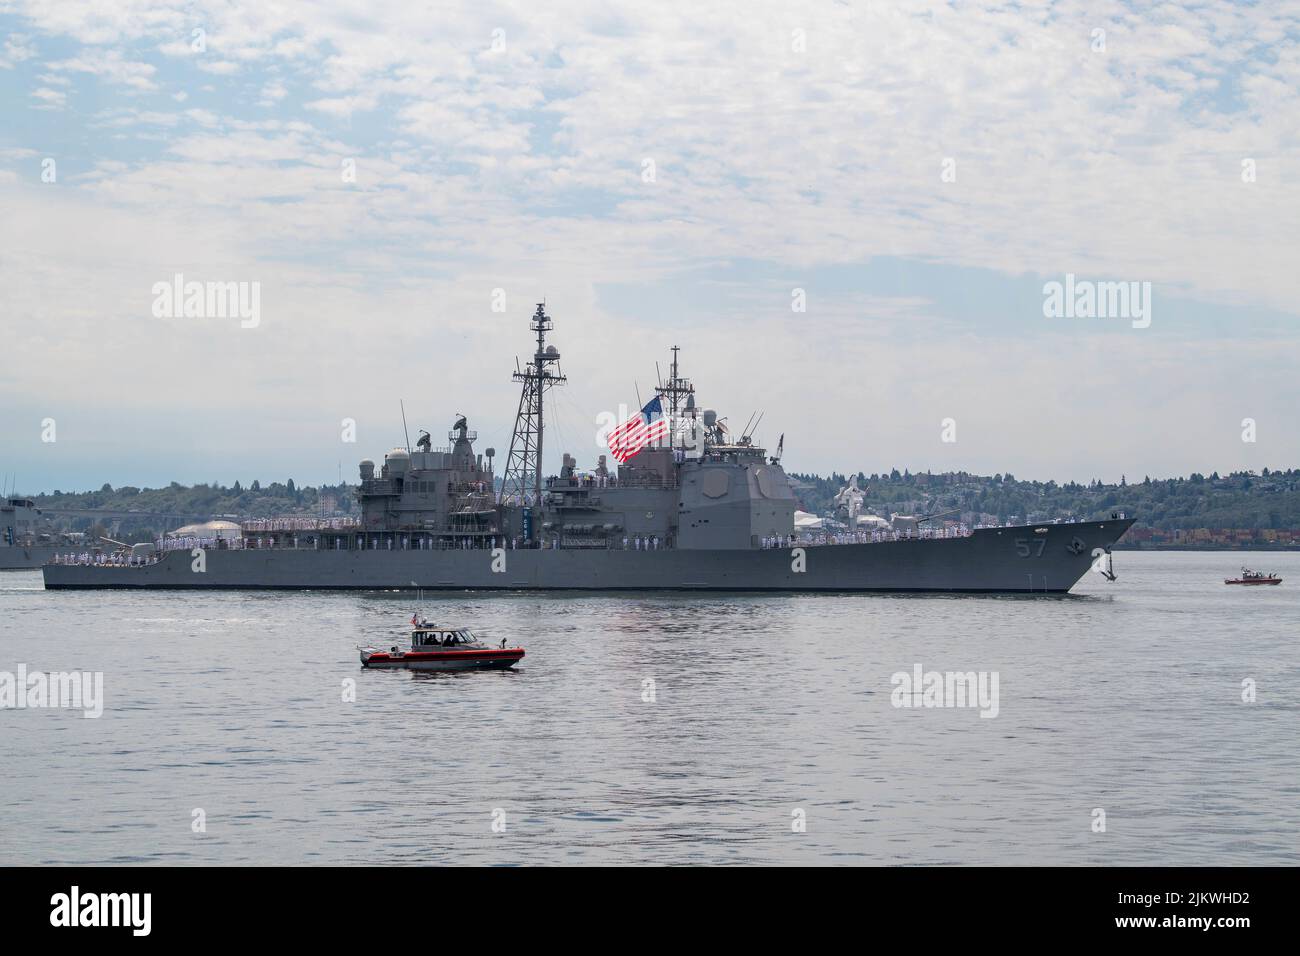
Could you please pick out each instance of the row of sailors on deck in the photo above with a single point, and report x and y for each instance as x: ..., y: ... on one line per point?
x: 637, y: 543
x: 297, y: 523
x: 119, y: 559
x: 188, y: 543
x: 875, y: 537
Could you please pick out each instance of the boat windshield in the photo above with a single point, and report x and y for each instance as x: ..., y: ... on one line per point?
x: 431, y: 638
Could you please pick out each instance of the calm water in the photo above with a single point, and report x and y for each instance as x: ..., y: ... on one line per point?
x: 1125, y: 697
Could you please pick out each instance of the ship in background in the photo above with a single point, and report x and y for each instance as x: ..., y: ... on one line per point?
x: 699, y: 510
x: 26, y: 539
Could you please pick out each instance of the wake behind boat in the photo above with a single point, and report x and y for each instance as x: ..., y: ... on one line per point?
x: 442, y: 649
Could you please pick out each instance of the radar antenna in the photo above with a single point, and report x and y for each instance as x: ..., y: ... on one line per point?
x: 780, y: 449
x: 523, y: 474
x: 678, y: 391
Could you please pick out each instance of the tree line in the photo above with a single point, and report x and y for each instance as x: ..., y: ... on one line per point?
x: 1240, y: 500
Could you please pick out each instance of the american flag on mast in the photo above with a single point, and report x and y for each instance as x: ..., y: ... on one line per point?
x: 648, y: 425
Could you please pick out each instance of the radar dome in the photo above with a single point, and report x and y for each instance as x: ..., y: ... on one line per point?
x: 396, y: 461
x: 367, y: 469
x: 710, y: 417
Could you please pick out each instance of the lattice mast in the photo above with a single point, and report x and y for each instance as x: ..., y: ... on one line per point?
x: 523, y: 474
x: 678, y: 390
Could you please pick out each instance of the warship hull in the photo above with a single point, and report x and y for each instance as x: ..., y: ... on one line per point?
x: 1029, y: 559
x: 18, y: 558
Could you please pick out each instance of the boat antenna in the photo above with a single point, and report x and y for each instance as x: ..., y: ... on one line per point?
x: 407, y: 433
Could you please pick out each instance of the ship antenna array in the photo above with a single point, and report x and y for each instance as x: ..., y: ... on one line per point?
x: 523, y: 472
x: 677, y: 390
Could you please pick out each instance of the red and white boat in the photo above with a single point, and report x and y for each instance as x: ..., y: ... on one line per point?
x: 443, y: 649
x: 1253, y: 577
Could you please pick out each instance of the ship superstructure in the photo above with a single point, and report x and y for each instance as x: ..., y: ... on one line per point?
x: 26, y: 539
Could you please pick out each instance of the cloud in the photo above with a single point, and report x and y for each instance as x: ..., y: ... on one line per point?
x: 796, y: 142
x: 218, y: 67
x: 112, y: 66
x: 272, y: 93
x: 50, y: 98
x: 17, y: 49
x: 344, y: 106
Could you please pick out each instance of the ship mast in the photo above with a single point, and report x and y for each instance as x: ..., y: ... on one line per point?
x: 523, y: 472
x: 677, y: 388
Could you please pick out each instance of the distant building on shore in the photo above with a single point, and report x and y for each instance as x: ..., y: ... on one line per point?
x: 1210, y: 539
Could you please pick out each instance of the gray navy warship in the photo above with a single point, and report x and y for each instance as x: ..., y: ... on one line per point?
x: 23, y: 543
x: 698, y: 510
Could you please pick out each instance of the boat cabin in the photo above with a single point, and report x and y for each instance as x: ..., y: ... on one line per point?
x: 441, y: 637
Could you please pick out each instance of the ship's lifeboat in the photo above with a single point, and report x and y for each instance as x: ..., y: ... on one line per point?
x: 443, y: 649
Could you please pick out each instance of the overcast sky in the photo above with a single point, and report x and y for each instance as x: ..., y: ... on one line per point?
x: 661, y: 173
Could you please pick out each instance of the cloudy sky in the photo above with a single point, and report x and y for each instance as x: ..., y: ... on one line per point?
x: 660, y: 174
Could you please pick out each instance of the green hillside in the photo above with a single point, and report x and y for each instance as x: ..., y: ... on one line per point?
x: 1242, y: 500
